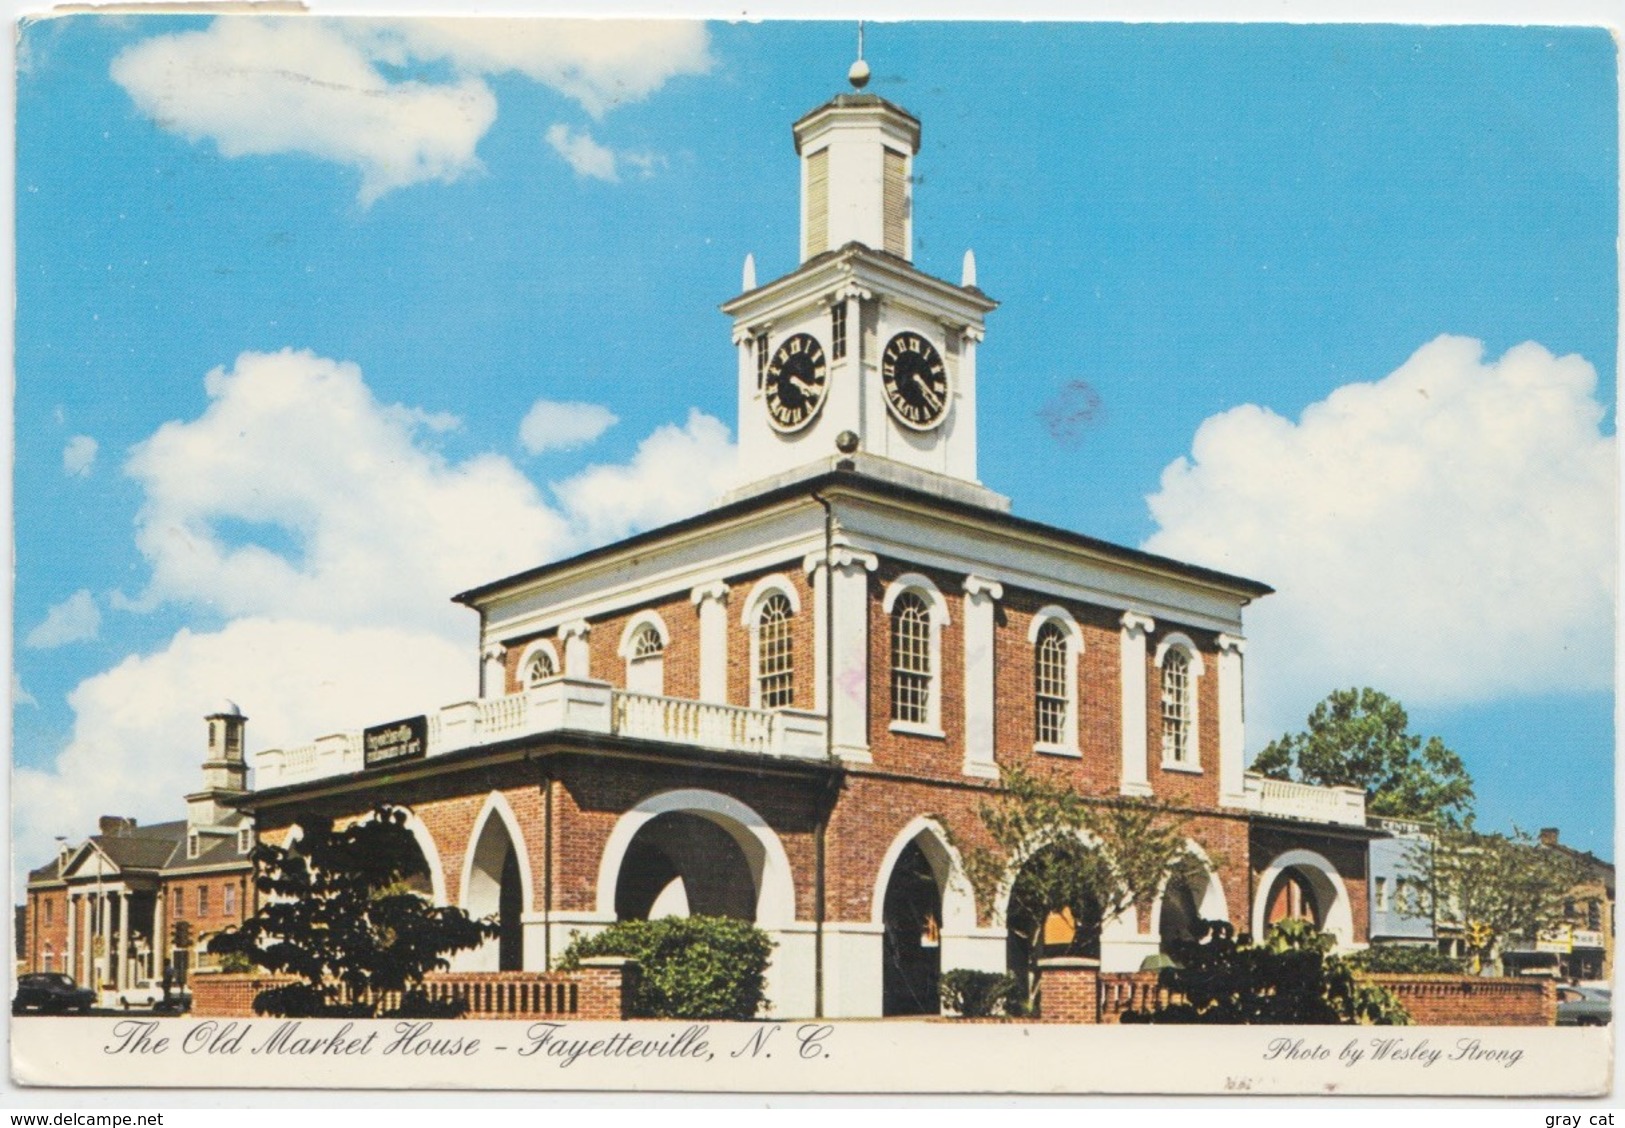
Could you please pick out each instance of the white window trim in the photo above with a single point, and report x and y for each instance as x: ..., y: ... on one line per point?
x: 1054, y: 613
x: 539, y: 646
x: 937, y: 607
x: 634, y: 626
x: 775, y: 584
x: 1182, y: 642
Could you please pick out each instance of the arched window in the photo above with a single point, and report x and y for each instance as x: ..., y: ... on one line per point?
x: 538, y: 668
x: 1052, y: 695
x: 911, y: 672
x: 1176, y: 708
x: 775, y: 659
x: 643, y: 649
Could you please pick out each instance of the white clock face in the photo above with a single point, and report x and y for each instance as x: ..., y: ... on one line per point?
x: 795, y: 383
x: 915, y: 381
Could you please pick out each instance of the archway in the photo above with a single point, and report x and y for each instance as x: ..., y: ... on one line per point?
x: 912, y: 952
x: 1292, y: 897
x: 1035, y: 928
x: 1303, y: 885
x: 493, y: 889
x: 681, y: 864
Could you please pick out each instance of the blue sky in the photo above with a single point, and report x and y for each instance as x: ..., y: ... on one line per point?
x: 1334, y: 307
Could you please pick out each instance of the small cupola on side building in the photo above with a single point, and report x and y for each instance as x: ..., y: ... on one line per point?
x: 225, y: 769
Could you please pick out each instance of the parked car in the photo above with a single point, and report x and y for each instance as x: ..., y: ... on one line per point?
x: 51, y: 992
x: 144, y: 993
x: 1584, y: 1006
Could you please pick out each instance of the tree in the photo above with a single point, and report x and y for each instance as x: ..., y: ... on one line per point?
x: 1498, y: 889
x: 1087, y: 861
x: 1361, y: 738
x: 1294, y: 977
x: 688, y: 967
x: 339, y: 915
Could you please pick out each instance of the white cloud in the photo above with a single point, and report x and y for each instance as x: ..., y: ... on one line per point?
x: 20, y: 695
x: 138, y: 735
x: 75, y: 619
x: 1446, y: 534
x: 554, y: 425
x: 599, y: 63
x: 260, y: 87
x: 582, y: 153
x: 314, y: 86
x: 677, y: 471
x: 384, y: 528
x: 79, y: 456
x: 340, y: 617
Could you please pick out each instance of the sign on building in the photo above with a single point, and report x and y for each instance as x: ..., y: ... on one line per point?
x: 396, y: 741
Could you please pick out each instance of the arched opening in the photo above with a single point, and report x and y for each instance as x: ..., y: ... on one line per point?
x: 1292, y: 897
x: 683, y: 864
x: 495, y: 891
x: 1181, y: 910
x: 912, y: 915
x: 1051, y: 911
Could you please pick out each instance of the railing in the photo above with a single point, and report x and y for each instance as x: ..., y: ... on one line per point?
x: 573, y: 705
x: 701, y: 723
x: 1342, y: 805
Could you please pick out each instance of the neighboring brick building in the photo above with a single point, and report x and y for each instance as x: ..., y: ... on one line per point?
x: 790, y: 708
x: 107, y: 910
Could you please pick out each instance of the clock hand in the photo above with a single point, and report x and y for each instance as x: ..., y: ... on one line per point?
x: 925, y: 389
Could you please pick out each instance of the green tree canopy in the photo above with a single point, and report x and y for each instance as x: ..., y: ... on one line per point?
x: 1362, y: 738
x: 1038, y: 828
x: 341, y: 917
x: 1495, y: 888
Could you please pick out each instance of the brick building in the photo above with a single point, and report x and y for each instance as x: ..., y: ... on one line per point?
x: 790, y: 707
x: 132, y: 901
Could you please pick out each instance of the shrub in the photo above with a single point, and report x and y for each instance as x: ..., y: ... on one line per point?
x: 1294, y: 977
x: 979, y: 994
x: 1406, y: 960
x: 689, y: 967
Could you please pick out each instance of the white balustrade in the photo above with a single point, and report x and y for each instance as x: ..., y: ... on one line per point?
x: 1341, y: 805
x: 567, y: 704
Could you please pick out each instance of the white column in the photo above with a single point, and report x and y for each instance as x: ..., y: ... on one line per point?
x: 72, y: 965
x: 123, y: 938
x: 577, y: 658
x: 493, y: 671
x: 712, y: 601
x: 980, y: 597
x: 159, y: 940
x: 1136, y: 781
x: 848, y: 602
x: 962, y: 452
x: 813, y: 564
x: 1232, y: 729
x: 104, y: 911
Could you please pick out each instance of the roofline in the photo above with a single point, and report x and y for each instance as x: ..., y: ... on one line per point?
x: 531, y: 748
x: 851, y: 479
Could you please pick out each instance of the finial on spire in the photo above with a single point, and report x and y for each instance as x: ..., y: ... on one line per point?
x: 858, y: 76
x: 748, y: 278
x: 967, y: 272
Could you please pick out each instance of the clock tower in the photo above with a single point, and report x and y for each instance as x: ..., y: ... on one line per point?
x: 857, y: 355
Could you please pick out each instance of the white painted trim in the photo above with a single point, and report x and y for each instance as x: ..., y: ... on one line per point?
x: 761, y: 589
x: 496, y: 806
x: 1338, y: 917
x: 636, y: 623
x: 770, y: 865
x: 1213, y: 905
x: 920, y: 585
x: 426, y: 844
x: 539, y: 646
x: 1183, y: 642
x: 958, y: 898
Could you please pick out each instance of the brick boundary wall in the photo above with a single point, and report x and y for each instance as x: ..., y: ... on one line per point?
x: 601, y: 991
x: 1463, y: 1000
x: 1431, y: 1000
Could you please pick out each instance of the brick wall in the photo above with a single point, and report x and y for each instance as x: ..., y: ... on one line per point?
x: 42, y: 936
x: 182, y: 904
x: 594, y: 994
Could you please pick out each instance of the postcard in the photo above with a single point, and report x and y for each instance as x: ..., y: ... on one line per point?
x: 817, y: 557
